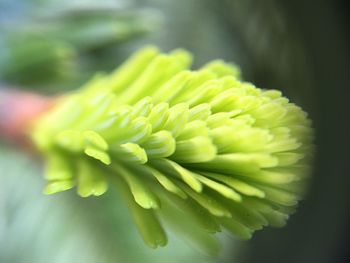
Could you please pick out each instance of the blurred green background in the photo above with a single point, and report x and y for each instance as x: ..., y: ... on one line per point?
x: 299, y: 47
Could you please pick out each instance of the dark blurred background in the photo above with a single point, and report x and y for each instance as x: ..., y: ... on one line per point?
x: 299, y: 47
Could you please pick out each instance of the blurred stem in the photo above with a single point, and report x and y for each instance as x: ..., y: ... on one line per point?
x: 18, y: 110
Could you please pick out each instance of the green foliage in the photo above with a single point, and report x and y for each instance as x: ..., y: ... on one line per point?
x: 63, y: 46
x: 199, y: 150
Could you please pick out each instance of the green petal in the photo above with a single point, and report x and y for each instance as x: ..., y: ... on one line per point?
x: 170, y: 167
x: 58, y: 186
x: 159, y: 144
x: 178, y: 117
x: 238, y: 163
x: 237, y: 229
x: 142, y: 194
x: 90, y: 180
x: 71, y: 140
x: 93, y: 139
x: 58, y: 167
x: 158, y: 116
x: 220, y: 188
x: 146, y: 221
x: 98, y: 154
x: 238, y: 185
x: 167, y: 183
x: 208, y: 202
x: 193, y: 234
x: 200, y: 112
x: 196, y: 150
x: 131, y: 152
x: 194, y: 212
x: 221, y: 68
x: 132, y: 68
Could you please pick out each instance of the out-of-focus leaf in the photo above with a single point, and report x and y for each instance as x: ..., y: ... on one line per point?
x: 60, y: 45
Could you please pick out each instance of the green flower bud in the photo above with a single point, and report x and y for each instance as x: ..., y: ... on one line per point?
x: 199, y: 150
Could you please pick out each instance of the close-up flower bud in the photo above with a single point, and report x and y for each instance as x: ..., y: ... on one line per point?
x: 190, y: 131
x: 200, y: 144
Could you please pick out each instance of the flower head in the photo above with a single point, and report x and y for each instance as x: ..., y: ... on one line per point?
x: 198, y: 149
